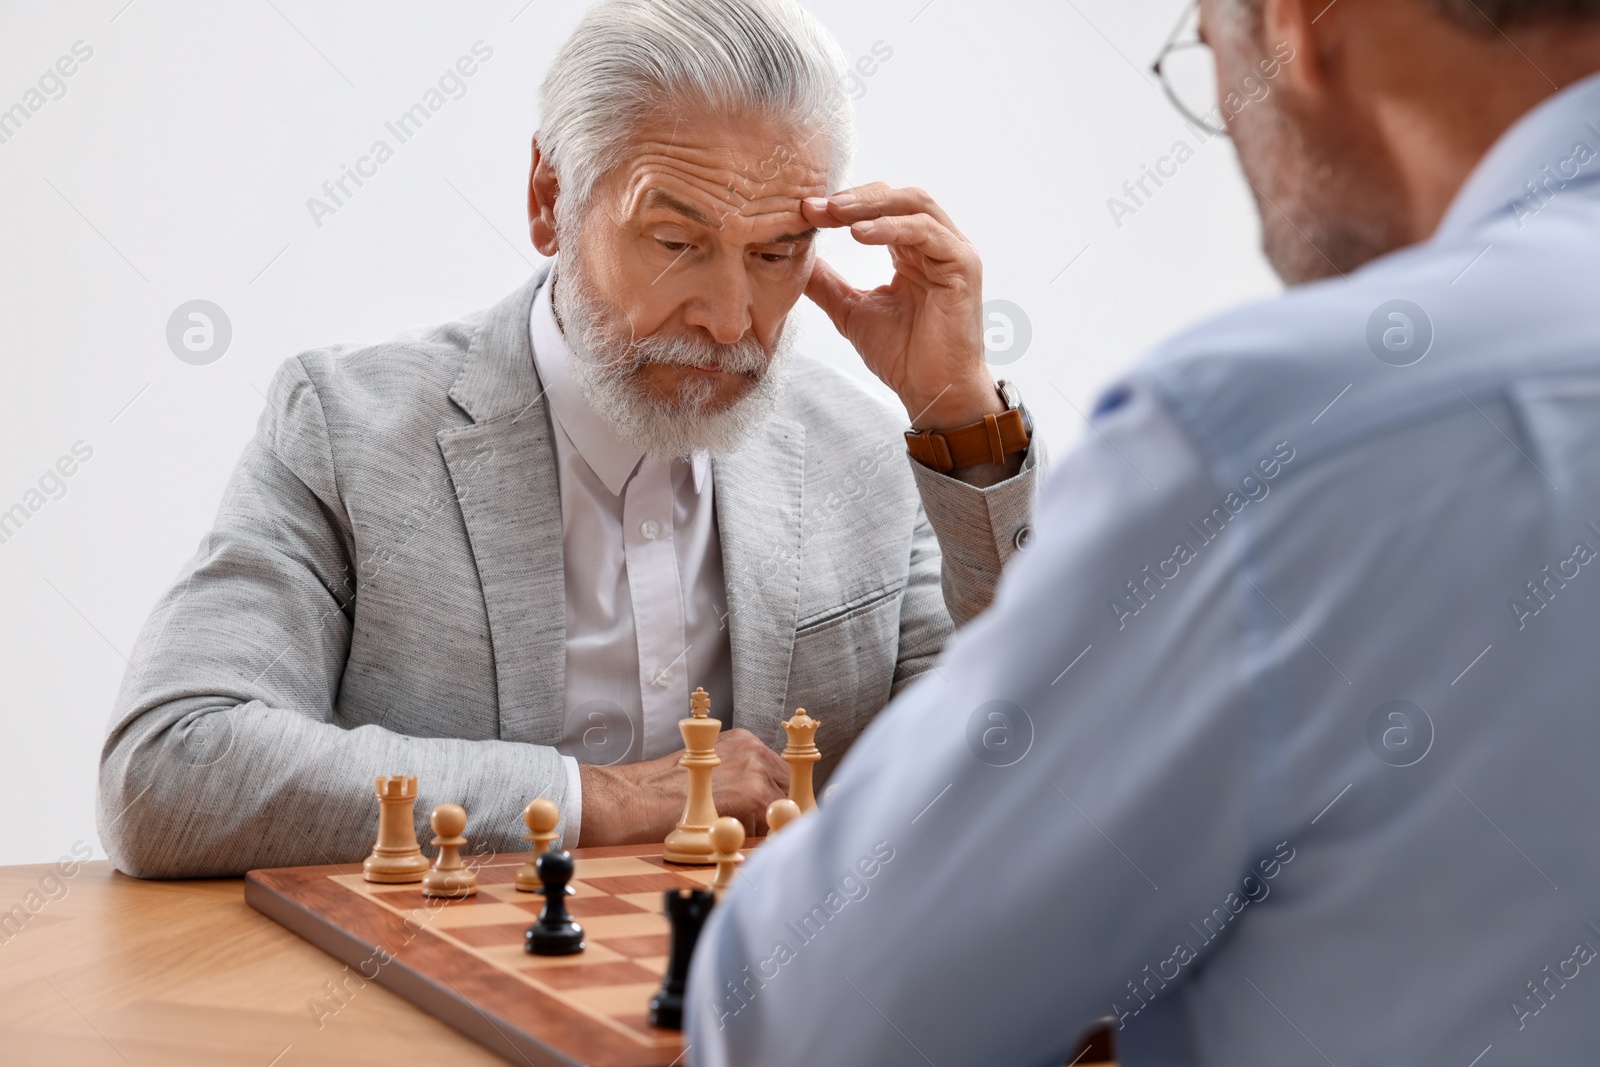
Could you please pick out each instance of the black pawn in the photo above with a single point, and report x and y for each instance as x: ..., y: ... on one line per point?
x: 687, y: 912
x: 555, y: 934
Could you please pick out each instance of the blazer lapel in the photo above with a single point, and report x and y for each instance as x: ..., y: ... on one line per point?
x: 759, y: 503
x: 503, y: 467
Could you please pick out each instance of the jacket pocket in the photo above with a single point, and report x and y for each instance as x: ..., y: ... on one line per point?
x: 843, y: 668
x: 849, y: 610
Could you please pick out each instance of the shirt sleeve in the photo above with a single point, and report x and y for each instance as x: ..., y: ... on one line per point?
x: 572, y: 812
x: 1017, y: 846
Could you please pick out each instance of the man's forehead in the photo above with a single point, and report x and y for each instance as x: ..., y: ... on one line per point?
x: 753, y: 178
x: 775, y: 212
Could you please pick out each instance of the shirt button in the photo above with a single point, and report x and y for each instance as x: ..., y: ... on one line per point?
x: 663, y: 677
x: 1024, y: 538
x: 651, y: 529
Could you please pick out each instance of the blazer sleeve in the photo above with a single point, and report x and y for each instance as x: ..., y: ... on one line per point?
x: 962, y: 540
x: 978, y: 530
x: 223, y: 752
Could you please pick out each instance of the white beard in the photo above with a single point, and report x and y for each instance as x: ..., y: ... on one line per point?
x: 606, y: 364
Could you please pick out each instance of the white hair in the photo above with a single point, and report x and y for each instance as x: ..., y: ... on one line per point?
x: 630, y: 58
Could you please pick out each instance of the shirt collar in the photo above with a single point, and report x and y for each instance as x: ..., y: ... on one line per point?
x: 607, y: 454
x: 1562, y: 132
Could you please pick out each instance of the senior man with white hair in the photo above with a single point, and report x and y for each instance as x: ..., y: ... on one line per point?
x: 500, y: 553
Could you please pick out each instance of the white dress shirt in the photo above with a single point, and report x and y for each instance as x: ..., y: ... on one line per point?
x: 645, y: 596
x: 1279, y: 743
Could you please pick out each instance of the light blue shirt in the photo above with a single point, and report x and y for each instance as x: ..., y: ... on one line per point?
x: 1281, y: 743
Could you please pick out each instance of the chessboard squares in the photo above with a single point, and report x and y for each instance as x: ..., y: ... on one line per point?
x: 641, y: 947
x: 630, y: 924
x: 618, y: 866
x: 462, y: 915
x: 591, y: 907
x: 644, y: 883
x: 625, y: 972
x: 587, y: 901
x: 513, y: 955
x: 490, y: 935
x: 496, y: 875
x: 614, y: 1000
x: 660, y: 864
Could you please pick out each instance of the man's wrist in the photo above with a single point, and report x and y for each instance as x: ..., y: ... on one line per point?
x: 593, y: 781
x: 982, y: 451
x: 986, y: 474
x: 951, y: 408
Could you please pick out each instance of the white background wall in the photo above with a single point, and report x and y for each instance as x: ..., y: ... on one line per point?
x: 178, y: 164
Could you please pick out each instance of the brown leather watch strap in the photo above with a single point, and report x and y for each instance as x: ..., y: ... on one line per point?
x: 989, y: 441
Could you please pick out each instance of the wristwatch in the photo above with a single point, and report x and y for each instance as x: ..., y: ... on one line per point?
x: 988, y: 441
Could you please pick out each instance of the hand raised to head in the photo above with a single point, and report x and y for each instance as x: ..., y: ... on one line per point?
x: 922, y: 333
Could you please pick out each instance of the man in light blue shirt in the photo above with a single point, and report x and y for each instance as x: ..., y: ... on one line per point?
x: 1281, y: 742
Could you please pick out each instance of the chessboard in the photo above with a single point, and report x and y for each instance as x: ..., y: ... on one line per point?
x: 463, y: 961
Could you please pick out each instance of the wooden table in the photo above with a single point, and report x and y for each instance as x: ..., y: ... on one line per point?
x: 122, y: 972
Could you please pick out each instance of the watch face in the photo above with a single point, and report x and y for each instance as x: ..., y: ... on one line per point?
x: 1009, y: 393
x: 1013, y: 400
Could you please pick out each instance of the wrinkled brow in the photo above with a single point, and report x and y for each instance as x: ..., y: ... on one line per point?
x: 793, y: 238
x: 662, y: 198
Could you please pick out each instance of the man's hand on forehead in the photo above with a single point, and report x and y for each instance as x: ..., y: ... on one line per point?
x: 922, y: 334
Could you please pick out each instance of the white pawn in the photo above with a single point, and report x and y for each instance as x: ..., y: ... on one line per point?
x: 449, y: 877
x: 541, y: 817
x: 781, y: 813
x: 727, y: 838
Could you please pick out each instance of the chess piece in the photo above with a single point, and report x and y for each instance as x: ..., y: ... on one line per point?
x: 727, y: 838
x: 541, y: 817
x: 687, y: 911
x: 801, y: 755
x: 554, y: 934
x: 781, y: 813
x: 396, y: 858
x: 449, y: 877
x: 690, y: 843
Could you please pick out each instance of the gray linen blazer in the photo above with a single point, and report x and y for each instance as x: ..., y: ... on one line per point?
x: 383, y: 593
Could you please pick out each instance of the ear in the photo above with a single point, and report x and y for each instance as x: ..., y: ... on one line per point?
x: 1296, y: 34
x: 543, y: 189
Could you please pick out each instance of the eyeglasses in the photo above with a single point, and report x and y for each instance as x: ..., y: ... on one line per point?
x: 1188, y: 73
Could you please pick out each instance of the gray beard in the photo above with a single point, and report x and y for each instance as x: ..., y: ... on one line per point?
x: 1322, y: 205
x: 607, y: 363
